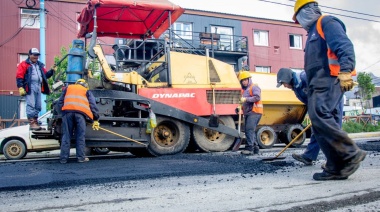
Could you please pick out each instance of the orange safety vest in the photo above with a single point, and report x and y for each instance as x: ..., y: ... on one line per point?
x: 333, y: 59
x: 76, y: 99
x: 258, y: 106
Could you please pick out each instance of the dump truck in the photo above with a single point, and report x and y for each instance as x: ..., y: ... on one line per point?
x: 187, y: 88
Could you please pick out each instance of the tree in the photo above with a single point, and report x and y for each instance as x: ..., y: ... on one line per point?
x: 366, y: 87
x: 59, y: 75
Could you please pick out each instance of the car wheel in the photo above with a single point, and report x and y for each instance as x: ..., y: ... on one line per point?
x: 14, y: 149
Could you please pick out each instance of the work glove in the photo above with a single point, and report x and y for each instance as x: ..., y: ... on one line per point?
x: 54, y: 68
x: 243, y: 99
x: 95, y: 125
x: 345, y: 81
x: 22, y: 91
x: 237, y: 110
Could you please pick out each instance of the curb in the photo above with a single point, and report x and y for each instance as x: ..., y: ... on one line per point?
x: 364, y: 135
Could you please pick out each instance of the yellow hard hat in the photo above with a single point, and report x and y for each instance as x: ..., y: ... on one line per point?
x: 244, y: 75
x: 82, y: 82
x: 298, y: 5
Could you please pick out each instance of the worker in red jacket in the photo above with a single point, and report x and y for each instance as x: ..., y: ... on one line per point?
x: 31, y: 79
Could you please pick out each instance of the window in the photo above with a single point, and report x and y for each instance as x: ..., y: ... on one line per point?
x: 262, y: 69
x: 183, y: 30
x: 76, y: 18
x: 260, y: 38
x: 30, y: 18
x: 295, y: 41
x: 226, y: 37
x: 23, y: 57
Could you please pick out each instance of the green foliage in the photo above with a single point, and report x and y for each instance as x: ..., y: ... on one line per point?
x: 61, y: 73
x: 353, y: 127
x: 366, y: 88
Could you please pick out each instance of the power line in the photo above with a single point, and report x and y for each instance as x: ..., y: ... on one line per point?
x: 19, y: 30
x: 371, y: 65
x: 333, y: 13
x: 18, y: 3
x: 52, y: 7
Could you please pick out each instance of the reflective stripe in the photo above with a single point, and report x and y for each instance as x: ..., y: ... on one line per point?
x: 76, y: 96
x: 332, y: 58
x: 77, y: 104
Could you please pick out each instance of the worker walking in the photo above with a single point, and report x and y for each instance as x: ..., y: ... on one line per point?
x: 329, y: 61
x: 78, y: 105
x: 252, y: 108
x: 298, y: 83
x: 31, y: 79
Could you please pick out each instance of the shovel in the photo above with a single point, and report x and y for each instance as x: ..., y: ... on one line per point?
x: 214, y: 119
x: 238, y: 140
x: 287, y: 146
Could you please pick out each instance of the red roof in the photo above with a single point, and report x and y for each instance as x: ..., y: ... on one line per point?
x: 136, y: 19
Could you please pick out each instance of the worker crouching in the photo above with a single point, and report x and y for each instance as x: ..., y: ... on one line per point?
x: 78, y: 104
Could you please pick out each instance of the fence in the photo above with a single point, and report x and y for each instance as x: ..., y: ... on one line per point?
x: 362, y: 119
x: 4, y: 123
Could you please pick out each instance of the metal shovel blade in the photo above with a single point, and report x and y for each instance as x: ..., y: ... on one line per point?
x: 273, y: 158
x: 236, y: 145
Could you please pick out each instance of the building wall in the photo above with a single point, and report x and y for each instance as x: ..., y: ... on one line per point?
x: 278, y: 53
x: 60, y: 31
x: 200, y: 22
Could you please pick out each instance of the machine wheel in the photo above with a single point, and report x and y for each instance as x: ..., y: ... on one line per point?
x: 266, y: 137
x: 140, y: 152
x: 209, y: 140
x: 169, y: 137
x: 291, y: 132
x: 14, y: 149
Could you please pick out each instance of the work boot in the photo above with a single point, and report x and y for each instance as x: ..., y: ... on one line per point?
x: 33, y: 125
x: 62, y: 161
x: 247, y: 150
x: 38, y: 124
x: 353, y: 164
x: 256, y: 150
x: 83, y: 160
x: 301, y: 158
x: 328, y: 176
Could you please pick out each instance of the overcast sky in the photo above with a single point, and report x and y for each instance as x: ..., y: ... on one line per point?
x: 365, y: 34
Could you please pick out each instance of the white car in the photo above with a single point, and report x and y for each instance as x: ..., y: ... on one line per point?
x: 16, y: 142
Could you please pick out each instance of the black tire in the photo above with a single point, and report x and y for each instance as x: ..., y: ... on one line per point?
x: 14, y: 149
x: 100, y: 151
x: 290, y: 133
x: 169, y: 137
x: 140, y: 152
x: 266, y: 137
x: 212, y: 141
x: 369, y: 145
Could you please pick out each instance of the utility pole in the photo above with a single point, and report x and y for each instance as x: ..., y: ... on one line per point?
x: 42, y: 49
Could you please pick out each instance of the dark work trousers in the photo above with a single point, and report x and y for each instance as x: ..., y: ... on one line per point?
x: 251, y: 120
x: 323, y: 97
x: 312, y: 149
x: 73, y: 121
